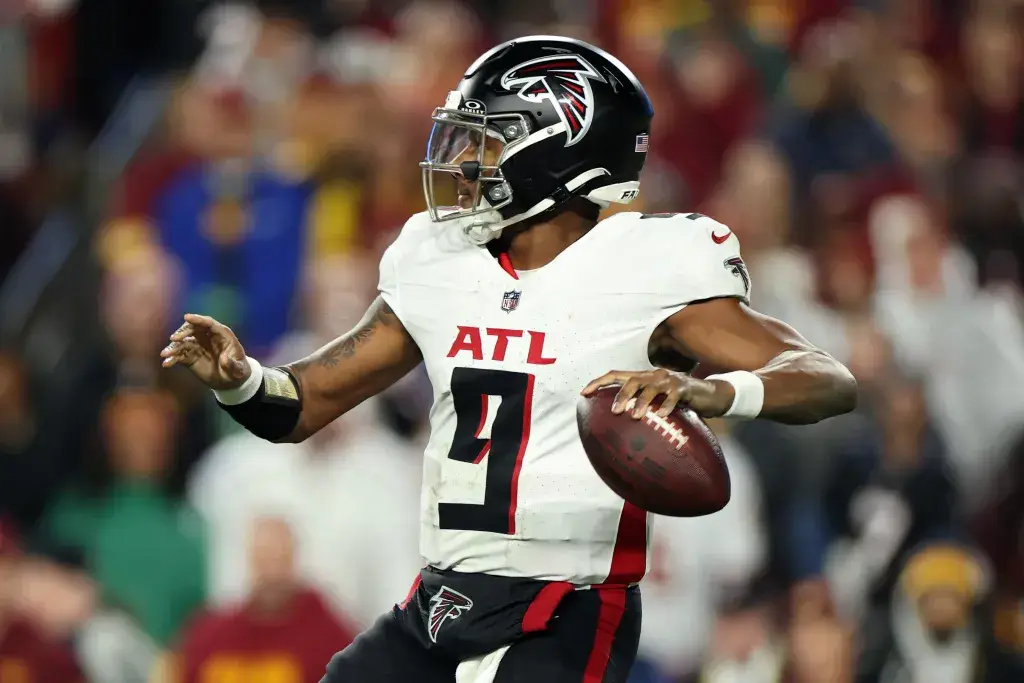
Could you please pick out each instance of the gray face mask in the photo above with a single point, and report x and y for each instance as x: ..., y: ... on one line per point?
x: 462, y: 181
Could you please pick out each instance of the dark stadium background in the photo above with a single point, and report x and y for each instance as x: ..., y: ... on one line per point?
x: 251, y: 162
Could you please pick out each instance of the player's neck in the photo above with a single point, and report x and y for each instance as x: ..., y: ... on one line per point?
x: 538, y: 244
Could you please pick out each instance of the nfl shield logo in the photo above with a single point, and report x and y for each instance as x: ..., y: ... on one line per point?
x: 510, y: 301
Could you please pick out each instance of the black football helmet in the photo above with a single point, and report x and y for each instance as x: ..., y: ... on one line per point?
x: 569, y: 119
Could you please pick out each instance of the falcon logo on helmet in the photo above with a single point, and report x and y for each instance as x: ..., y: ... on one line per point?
x: 446, y: 604
x: 564, y: 80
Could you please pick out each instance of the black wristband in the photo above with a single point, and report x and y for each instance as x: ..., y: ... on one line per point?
x: 273, y: 412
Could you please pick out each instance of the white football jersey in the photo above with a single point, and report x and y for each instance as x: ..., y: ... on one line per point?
x: 507, y: 487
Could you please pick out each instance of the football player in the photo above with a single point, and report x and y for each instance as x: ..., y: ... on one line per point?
x: 517, y: 298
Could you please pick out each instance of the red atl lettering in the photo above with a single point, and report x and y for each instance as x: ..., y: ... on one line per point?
x: 536, y: 356
x: 501, y: 346
x: 470, y: 339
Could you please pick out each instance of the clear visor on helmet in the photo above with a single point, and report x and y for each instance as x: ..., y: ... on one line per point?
x: 461, y: 174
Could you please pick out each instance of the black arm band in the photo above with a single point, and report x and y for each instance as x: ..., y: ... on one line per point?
x: 273, y: 412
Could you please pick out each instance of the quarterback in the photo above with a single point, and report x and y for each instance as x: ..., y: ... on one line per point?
x: 517, y: 299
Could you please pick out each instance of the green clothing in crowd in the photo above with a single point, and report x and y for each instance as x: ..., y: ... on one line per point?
x: 145, y: 549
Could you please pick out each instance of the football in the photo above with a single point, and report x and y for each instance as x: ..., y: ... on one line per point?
x: 669, y: 466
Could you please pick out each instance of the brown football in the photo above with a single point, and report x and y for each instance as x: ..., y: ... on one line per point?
x: 669, y: 466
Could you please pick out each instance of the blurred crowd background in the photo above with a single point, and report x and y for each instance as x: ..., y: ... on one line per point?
x: 251, y: 161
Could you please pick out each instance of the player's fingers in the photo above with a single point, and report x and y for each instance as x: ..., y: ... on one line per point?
x: 185, y: 330
x: 668, y: 405
x: 203, y: 322
x: 629, y: 389
x: 170, y: 350
x: 171, y: 354
x: 184, y: 353
x: 607, y: 379
x: 644, y: 400
x: 676, y: 394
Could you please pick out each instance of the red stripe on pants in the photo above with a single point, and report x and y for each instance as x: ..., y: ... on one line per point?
x: 613, y: 606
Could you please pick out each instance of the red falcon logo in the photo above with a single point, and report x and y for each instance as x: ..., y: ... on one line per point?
x: 564, y: 80
x: 446, y: 604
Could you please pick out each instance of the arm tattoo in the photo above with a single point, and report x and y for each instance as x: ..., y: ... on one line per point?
x: 345, y: 347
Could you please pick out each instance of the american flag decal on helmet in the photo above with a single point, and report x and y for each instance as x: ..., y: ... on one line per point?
x: 642, y: 142
x: 445, y: 605
x: 563, y: 80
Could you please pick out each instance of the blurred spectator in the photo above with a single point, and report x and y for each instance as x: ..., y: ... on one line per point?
x: 938, y: 630
x: 820, y: 646
x: 757, y: 644
x: 63, y: 601
x: 921, y: 128
x: 826, y: 133
x: 971, y: 377
x: 886, y: 495
x: 993, y: 111
x: 712, y: 103
x: 145, y: 549
x: 351, y: 495
x: 986, y: 197
x: 698, y: 566
x: 435, y: 41
x: 26, y: 652
x: 986, y: 217
x: 135, y: 298
x: 238, y: 233
x: 284, y: 631
x: 136, y: 302
x: 745, y: 646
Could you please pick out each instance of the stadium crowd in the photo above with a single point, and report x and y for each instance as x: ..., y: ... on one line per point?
x: 251, y: 162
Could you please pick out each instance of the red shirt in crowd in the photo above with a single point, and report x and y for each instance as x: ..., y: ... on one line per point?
x: 26, y: 656
x: 292, y: 646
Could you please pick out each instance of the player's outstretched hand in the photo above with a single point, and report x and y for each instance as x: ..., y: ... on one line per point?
x: 210, y: 350
x: 707, y: 399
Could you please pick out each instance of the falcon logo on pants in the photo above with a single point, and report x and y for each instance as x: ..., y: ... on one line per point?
x: 446, y: 604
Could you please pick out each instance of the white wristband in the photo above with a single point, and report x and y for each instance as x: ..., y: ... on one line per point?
x: 248, y: 389
x: 749, y: 397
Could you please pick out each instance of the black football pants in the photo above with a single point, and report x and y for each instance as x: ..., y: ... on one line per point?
x: 472, y: 628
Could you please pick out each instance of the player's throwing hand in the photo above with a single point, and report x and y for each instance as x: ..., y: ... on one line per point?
x: 210, y: 350
x: 707, y: 399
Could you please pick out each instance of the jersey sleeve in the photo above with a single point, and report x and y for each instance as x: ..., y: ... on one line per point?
x: 389, y: 282
x: 701, y: 260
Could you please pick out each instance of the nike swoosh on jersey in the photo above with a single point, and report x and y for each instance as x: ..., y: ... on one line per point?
x: 719, y: 239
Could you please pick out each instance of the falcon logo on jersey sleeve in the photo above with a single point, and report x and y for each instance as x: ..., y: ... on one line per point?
x: 738, y: 268
x: 446, y: 604
x: 564, y: 80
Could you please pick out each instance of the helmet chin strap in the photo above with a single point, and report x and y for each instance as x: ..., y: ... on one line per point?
x: 483, y: 227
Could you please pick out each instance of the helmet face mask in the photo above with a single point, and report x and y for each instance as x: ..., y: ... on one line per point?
x: 462, y: 177
x: 534, y: 123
